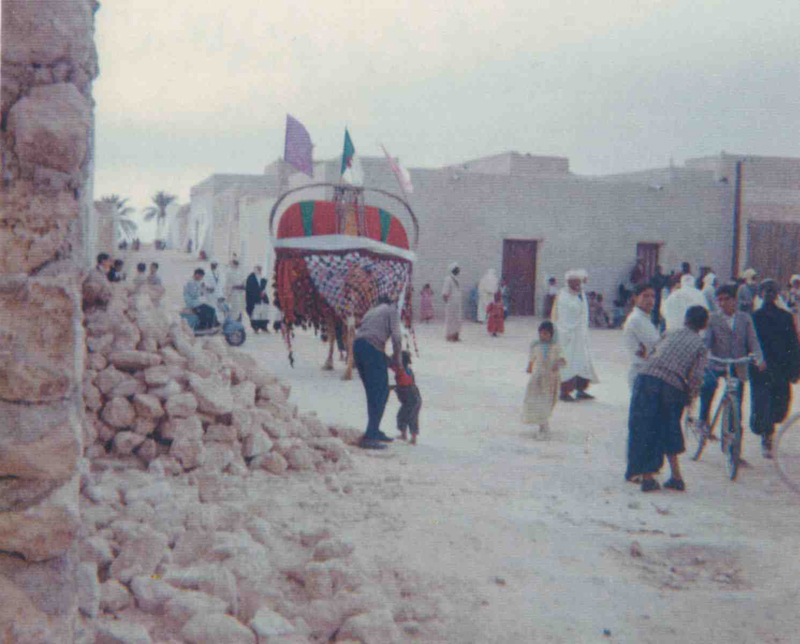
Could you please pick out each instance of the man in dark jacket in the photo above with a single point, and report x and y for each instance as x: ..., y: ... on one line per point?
x: 255, y: 291
x: 770, y: 389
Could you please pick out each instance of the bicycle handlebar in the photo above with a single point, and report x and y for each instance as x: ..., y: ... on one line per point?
x: 750, y: 358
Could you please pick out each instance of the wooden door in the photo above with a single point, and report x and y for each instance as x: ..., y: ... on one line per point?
x: 772, y: 249
x: 649, y: 253
x: 519, y: 272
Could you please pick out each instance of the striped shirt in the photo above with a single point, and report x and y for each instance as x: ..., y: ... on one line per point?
x: 679, y: 360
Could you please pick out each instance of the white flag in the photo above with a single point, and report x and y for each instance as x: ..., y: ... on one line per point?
x: 402, y: 175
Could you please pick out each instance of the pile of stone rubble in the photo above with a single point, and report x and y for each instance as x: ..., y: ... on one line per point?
x: 194, y: 460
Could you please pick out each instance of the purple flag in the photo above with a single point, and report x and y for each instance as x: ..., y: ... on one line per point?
x: 298, y: 147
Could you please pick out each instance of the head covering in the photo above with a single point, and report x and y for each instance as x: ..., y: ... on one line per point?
x: 794, y: 278
x: 573, y: 274
x: 750, y: 273
x: 213, y: 261
x: 453, y: 266
x: 709, y: 279
x: 582, y: 273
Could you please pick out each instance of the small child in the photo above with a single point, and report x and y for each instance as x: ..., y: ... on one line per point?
x: 494, y: 315
x: 426, y: 303
x: 542, y: 391
x: 409, y: 397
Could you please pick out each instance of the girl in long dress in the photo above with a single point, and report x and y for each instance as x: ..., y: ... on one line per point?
x: 451, y: 294
x: 426, y: 303
x: 542, y: 392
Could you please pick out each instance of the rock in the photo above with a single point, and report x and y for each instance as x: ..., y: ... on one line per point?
x: 256, y: 444
x: 348, y: 435
x: 126, y: 338
x: 273, y: 463
x: 172, y: 388
x: 215, y: 628
x: 114, y: 596
x: 315, y: 427
x: 332, y: 549
x: 119, y: 632
x: 220, y: 434
x: 148, y: 450
x: 182, y: 340
x: 144, y: 426
x: 244, y: 395
x: 51, y: 127
x: 211, y: 579
x: 95, y: 550
x: 189, y: 451
x: 202, y: 365
x: 268, y: 624
x: 375, y: 627
x: 299, y: 458
x: 185, y: 427
x: 91, y: 397
x: 152, y: 494
x: 185, y: 605
x: 152, y: 322
x: 157, y: 376
x: 109, y: 378
x: 147, y: 406
x: 212, y: 395
x: 96, y: 362
x: 106, y: 494
x: 100, y: 344
x: 129, y: 387
x: 98, y: 517
x: 151, y: 594
x: 39, y: 533
x: 88, y: 589
x: 172, y: 357
x: 147, y: 344
x: 126, y: 442
x: 140, y: 555
x: 191, y: 546
x: 218, y: 456
x: 118, y: 413
x: 181, y: 405
x: 133, y: 359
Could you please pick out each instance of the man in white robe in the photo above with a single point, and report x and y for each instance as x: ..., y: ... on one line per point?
x: 487, y: 287
x: 571, y: 318
x: 680, y: 300
x: 235, y: 289
x: 451, y: 294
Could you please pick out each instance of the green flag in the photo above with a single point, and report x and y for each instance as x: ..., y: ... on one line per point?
x: 349, y: 151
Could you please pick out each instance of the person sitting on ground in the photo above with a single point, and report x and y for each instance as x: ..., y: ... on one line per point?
x: 141, y: 275
x: 193, y: 297
x: 544, y: 363
x: 665, y: 385
x: 409, y: 397
x: 730, y: 334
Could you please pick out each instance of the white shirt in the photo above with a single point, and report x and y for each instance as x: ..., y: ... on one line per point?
x: 639, y: 330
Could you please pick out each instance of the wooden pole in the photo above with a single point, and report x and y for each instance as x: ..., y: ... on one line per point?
x: 737, y: 221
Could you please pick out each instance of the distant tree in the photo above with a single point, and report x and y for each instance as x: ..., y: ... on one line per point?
x: 125, y: 226
x: 159, y: 211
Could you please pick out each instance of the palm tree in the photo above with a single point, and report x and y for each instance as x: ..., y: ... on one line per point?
x: 159, y: 212
x: 126, y: 227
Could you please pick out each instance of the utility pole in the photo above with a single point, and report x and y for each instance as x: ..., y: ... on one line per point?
x: 737, y: 221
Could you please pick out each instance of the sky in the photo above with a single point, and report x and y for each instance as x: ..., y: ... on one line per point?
x: 188, y: 89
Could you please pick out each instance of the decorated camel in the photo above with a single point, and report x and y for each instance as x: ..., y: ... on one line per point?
x: 334, y: 259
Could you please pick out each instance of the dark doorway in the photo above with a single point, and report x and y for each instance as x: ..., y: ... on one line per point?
x: 519, y: 272
x: 649, y: 253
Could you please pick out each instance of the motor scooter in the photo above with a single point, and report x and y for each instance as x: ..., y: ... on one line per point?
x: 233, y: 330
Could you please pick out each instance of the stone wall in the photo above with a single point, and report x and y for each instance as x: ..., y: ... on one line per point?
x: 46, y: 137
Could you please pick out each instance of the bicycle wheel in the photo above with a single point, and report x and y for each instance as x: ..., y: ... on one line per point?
x: 694, y: 435
x: 731, y: 429
x: 786, y: 450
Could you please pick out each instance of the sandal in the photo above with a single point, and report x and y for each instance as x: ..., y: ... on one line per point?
x: 650, y: 485
x: 675, y: 484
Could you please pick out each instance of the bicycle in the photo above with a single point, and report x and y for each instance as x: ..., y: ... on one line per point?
x: 729, y: 414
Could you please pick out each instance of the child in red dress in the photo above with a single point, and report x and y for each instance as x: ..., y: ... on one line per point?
x: 494, y: 315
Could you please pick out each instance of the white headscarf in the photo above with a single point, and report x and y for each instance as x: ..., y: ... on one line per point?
x: 489, y: 282
x: 708, y: 280
x: 452, y: 267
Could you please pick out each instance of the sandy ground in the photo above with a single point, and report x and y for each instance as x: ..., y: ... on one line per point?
x: 487, y: 535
